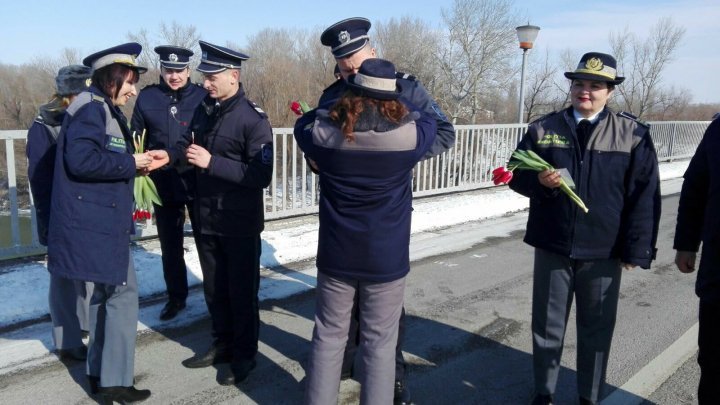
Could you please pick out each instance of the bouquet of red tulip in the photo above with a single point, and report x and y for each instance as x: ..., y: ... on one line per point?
x: 527, y: 159
x: 299, y: 107
x: 144, y: 191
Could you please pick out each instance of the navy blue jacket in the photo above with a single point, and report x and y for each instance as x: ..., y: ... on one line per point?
x: 697, y: 213
x: 40, y: 151
x: 165, y: 115
x: 229, y: 195
x: 414, y: 94
x: 365, y: 191
x: 616, y: 176
x: 92, y: 196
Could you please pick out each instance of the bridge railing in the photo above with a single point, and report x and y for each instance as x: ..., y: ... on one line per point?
x: 294, y: 190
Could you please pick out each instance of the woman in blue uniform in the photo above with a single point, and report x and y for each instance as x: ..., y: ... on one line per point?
x: 364, y: 148
x: 68, y: 300
x: 91, y: 221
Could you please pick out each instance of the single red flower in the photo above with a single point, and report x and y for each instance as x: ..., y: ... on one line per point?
x: 500, y: 170
x: 296, y: 108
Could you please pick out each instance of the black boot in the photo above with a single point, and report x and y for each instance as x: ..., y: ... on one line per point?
x: 94, y: 383
x: 76, y: 353
x: 237, y: 373
x: 214, y: 355
x: 402, y: 394
x: 171, y: 310
x: 123, y: 395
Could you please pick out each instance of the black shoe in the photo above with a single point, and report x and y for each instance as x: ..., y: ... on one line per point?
x: 584, y: 401
x: 237, y: 372
x: 124, y: 395
x: 213, y: 355
x: 402, y: 394
x: 542, y: 399
x: 171, y: 310
x: 94, y: 383
x: 76, y: 353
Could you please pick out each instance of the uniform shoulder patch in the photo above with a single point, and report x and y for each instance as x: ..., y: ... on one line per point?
x: 334, y: 84
x: 98, y: 99
x: 627, y: 115
x: 257, y: 109
x: 406, y: 76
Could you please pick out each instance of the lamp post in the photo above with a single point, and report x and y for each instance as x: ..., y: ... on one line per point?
x: 526, y: 35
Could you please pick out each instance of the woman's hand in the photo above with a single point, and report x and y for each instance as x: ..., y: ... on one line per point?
x: 142, y: 160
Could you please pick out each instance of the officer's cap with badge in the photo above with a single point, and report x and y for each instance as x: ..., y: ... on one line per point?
x: 125, y: 54
x: 596, y: 66
x: 173, y: 57
x: 217, y: 58
x: 73, y: 79
x: 347, y: 36
x: 375, y: 79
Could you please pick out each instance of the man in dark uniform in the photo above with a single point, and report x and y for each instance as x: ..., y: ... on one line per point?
x: 230, y: 144
x: 164, y: 111
x: 350, y: 45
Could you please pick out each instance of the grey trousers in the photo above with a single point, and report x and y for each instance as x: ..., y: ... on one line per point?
x: 113, y: 330
x: 595, y: 286
x: 380, y: 305
x: 69, y: 302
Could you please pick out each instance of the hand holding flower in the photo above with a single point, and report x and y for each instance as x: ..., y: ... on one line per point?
x: 550, y: 178
x: 198, y: 156
x: 142, y: 160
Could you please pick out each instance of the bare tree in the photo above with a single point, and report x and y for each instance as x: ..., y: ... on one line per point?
x: 412, y: 45
x: 642, y: 61
x: 478, y: 52
x: 542, y: 91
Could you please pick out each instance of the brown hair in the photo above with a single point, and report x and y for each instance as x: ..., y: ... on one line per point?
x: 348, y: 109
x: 110, y: 78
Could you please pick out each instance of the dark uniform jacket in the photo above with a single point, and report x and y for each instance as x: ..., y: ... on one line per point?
x: 165, y: 115
x: 92, y: 196
x: 229, y: 193
x: 617, y: 178
x: 697, y: 213
x: 40, y: 150
x: 413, y: 94
x: 365, y: 191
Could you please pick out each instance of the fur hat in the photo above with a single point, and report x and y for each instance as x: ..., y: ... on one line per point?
x: 73, y: 79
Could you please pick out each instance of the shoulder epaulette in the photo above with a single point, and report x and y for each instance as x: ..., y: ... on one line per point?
x: 97, y: 98
x: 627, y: 115
x: 333, y: 84
x: 39, y: 119
x: 542, y: 117
x: 406, y: 76
x: 257, y: 109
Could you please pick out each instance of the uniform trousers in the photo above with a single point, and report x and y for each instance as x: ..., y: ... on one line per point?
x: 69, y: 302
x: 354, y: 340
x: 380, y: 305
x: 595, y: 284
x: 113, y: 330
x: 170, y: 221
x: 231, y: 279
x: 709, y: 353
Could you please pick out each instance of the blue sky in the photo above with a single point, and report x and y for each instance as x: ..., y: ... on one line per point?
x: 32, y: 29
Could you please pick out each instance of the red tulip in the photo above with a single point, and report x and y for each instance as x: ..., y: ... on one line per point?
x: 296, y: 108
x: 500, y: 170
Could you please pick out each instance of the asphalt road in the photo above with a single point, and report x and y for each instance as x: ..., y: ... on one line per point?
x: 467, y: 340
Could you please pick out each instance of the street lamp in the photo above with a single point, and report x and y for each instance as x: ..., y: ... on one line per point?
x: 526, y: 35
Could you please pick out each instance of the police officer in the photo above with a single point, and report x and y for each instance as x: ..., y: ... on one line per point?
x: 350, y: 45
x: 230, y: 144
x: 68, y: 300
x: 164, y: 111
x: 91, y: 221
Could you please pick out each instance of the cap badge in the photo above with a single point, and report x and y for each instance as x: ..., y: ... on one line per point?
x: 343, y: 37
x: 594, y: 64
x: 204, y: 54
x: 88, y: 82
x: 173, y: 57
